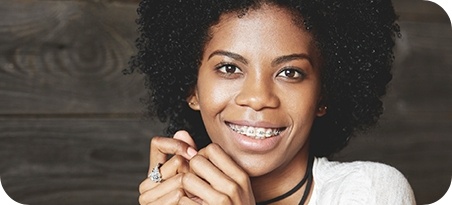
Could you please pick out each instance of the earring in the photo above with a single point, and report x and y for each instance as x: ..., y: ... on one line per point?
x: 191, y: 103
x: 321, y: 108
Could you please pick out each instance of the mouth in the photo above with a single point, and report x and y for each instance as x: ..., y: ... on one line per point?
x: 255, y: 132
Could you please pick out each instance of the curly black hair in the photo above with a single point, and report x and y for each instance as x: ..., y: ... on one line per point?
x: 355, y: 39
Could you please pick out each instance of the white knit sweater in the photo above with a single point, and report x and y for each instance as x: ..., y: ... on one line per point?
x: 360, y: 183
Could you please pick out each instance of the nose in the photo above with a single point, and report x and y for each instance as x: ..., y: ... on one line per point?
x: 257, y: 94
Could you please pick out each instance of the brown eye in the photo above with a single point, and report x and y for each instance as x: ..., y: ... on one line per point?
x: 291, y: 74
x: 229, y: 69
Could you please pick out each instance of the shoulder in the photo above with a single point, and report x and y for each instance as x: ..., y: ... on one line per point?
x: 358, y: 171
x: 361, y: 182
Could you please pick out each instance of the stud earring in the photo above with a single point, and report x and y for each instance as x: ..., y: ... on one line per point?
x: 321, y: 108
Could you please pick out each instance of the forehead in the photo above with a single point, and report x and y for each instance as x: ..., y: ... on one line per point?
x: 268, y: 28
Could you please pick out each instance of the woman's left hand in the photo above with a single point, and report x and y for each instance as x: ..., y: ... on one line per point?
x: 216, y: 179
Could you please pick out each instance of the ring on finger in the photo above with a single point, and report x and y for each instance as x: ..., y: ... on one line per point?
x: 155, y: 174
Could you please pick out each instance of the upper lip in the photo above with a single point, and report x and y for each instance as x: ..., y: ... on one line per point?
x: 262, y: 124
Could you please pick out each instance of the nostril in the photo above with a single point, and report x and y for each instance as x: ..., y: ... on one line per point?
x: 257, y: 99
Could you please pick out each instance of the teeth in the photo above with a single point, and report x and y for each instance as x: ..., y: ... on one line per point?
x: 268, y: 133
x: 242, y: 130
x: 250, y: 132
x: 255, y: 132
x: 260, y: 132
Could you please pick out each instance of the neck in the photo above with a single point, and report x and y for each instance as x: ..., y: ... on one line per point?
x: 282, y: 179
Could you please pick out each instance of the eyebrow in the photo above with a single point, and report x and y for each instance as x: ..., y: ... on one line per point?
x: 234, y: 56
x: 277, y: 61
x: 291, y: 57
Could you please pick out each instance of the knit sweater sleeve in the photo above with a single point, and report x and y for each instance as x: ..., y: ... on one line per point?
x: 359, y: 183
x: 390, y: 186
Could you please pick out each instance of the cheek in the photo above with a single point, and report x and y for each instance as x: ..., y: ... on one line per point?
x: 214, y: 95
x: 300, y: 100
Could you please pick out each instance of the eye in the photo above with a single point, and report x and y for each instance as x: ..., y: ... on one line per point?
x: 229, y: 69
x: 292, y: 73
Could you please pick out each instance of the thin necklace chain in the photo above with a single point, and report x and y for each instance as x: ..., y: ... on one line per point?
x: 306, y: 178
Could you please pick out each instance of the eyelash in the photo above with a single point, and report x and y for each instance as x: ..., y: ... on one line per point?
x: 222, y: 69
x: 299, y: 74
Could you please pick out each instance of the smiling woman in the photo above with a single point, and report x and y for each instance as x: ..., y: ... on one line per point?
x: 254, y: 78
x: 266, y: 91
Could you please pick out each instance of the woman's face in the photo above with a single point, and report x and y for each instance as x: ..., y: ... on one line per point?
x: 258, y: 88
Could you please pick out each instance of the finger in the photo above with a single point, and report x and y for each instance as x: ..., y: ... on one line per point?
x: 188, y: 201
x: 171, y: 198
x: 184, y: 136
x: 215, y: 154
x: 156, y: 192
x: 161, y: 147
x: 177, y: 164
x: 200, y: 188
x: 237, y: 183
x: 215, y: 177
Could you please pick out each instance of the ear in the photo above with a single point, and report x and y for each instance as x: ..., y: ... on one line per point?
x: 321, y: 110
x: 321, y: 107
x: 193, y: 100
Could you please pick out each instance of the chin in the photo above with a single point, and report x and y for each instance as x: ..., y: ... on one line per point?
x: 255, y: 166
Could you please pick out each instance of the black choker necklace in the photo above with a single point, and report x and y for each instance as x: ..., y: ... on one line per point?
x: 307, y: 177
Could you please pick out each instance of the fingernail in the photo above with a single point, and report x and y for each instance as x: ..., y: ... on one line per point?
x: 191, y: 152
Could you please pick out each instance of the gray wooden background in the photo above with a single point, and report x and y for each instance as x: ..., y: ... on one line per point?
x: 71, y: 126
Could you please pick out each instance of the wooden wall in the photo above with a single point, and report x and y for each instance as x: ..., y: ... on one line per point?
x: 71, y: 126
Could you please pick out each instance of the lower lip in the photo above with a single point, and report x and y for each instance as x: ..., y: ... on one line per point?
x: 249, y: 144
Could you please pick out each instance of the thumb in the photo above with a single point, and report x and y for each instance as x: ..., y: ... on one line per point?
x: 183, y: 135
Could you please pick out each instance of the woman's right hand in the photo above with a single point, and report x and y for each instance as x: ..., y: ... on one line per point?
x: 181, y: 148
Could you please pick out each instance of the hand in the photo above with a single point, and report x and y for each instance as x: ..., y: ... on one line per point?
x: 170, y: 190
x: 216, y: 179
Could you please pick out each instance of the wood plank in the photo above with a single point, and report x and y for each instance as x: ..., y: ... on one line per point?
x: 55, y: 161
x: 420, y: 11
x: 67, y: 57
x: 73, y: 190
x: 422, y: 88
x: 95, y: 142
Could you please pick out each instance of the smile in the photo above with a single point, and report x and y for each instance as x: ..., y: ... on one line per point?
x: 255, y: 132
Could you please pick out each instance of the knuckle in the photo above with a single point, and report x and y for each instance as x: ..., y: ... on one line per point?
x: 178, y: 160
x: 179, y: 193
x: 242, y: 178
x: 187, y: 179
x: 141, y: 188
x: 212, y: 148
x: 180, y: 177
x: 142, y: 200
x: 144, y: 186
x: 176, y: 195
x: 196, y: 161
x: 223, y: 199
x: 232, y: 188
x: 155, y: 140
x: 179, y: 146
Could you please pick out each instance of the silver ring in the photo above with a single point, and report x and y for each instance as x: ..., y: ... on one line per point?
x: 155, y: 175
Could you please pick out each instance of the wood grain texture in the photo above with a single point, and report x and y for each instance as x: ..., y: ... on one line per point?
x: 71, y: 161
x: 420, y: 11
x: 70, y: 128
x: 67, y: 57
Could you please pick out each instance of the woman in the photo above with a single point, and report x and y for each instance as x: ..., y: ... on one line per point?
x: 265, y: 90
